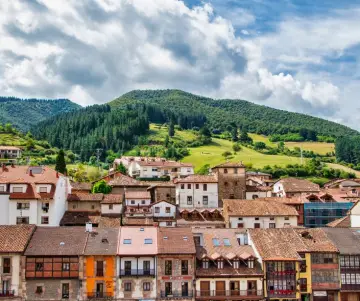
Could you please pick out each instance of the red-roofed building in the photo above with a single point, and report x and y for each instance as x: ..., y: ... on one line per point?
x: 32, y: 195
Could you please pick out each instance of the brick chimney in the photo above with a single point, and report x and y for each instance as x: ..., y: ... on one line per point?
x: 30, y: 173
x: 3, y: 167
x: 57, y: 174
x: 13, y: 165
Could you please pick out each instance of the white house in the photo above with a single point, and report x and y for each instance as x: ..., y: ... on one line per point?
x: 112, y: 204
x: 14, y: 240
x: 197, y: 191
x: 32, y: 195
x: 128, y: 160
x: 164, y: 213
x: 258, y: 214
x: 255, y: 192
x: 9, y: 153
x: 137, y: 203
x: 290, y: 187
x: 354, y: 214
x: 158, y: 169
x: 137, y: 250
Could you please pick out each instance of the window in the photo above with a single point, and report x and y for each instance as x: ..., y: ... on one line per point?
x: 216, y: 242
x: 255, y: 196
x: 182, y: 186
x: 148, y: 241
x: 92, y: 207
x: 189, y: 200
x: 303, y: 263
x: 45, y: 220
x: 236, y: 263
x: 272, y: 225
x: 22, y: 220
x: 168, y: 288
x: 6, y: 265
x: 65, y: 289
x: 240, y: 218
x: 189, y: 186
x: 99, y: 268
x: 240, y: 225
x: 250, y: 263
x: 23, y: 206
x: 204, y: 187
x: 205, y: 264
x: 127, y: 241
x: 39, y: 290
x: 205, y: 200
x: 143, y: 202
x: 154, y: 169
x: 168, y: 267
x: 2, y: 188
x: 227, y: 242
x: 235, y: 170
x: 43, y: 189
x: 256, y: 218
x: 286, y: 218
x: 66, y: 266
x: 111, y: 206
x: 167, y: 209
x: 132, y: 202
x: 157, y: 209
x: 225, y: 170
x: 17, y: 189
x: 127, y: 286
x: 146, y: 286
x: 197, y: 186
x: 257, y: 225
x: 220, y: 264
x: 184, y: 267
x: 168, y: 224
x: 39, y: 267
x: 272, y: 218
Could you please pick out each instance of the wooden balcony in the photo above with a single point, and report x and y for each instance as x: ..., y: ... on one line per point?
x: 7, y: 293
x: 99, y: 295
x: 232, y: 294
x: 350, y: 287
x: 279, y: 294
x: 136, y: 273
x: 176, y: 294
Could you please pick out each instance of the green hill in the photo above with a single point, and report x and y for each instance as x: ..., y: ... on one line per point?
x: 24, y: 113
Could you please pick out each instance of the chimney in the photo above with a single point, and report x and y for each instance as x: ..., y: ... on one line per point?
x: 30, y: 172
x: 3, y: 167
x: 13, y: 165
x: 57, y: 174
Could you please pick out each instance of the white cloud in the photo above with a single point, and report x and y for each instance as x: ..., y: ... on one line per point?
x: 93, y: 51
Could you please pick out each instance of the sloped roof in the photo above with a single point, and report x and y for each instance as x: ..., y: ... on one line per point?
x: 112, y: 199
x: 230, y: 165
x: 299, y: 185
x: 137, y: 195
x: 343, y: 222
x: 21, y: 174
x: 137, y: 235
x: 102, y: 241
x: 346, y: 240
x: 14, y: 238
x: 57, y: 241
x: 316, y: 240
x: 175, y: 241
x: 257, y: 208
x: 81, y: 186
x: 164, y: 164
x: 286, y: 201
x: 86, y: 197
x: 123, y: 180
x: 79, y: 218
x: 198, y: 179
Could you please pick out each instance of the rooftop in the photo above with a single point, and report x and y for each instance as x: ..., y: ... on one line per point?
x: 138, y: 241
x: 102, y: 241
x: 8, y: 147
x: 85, y: 197
x: 298, y: 185
x: 175, y: 241
x: 112, y: 199
x: 230, y: 165
x: 174, y: 164
x: 123, y: 180
x: 81, y: 186
x: 343, y: 222
x: 198, y: 179
x: 137, y: 195
x: 28, y: 175
x: 257, y: 208
x: 316, y: 240
x: 346, y: 240
x: 14, y: 239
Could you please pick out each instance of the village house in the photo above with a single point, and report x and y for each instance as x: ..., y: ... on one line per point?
x: 137, y: 203
x: 13, y: 242
x: 162, y: 191
x: 53, y: 263
x: 258, y: 214
x: 348, y: 243
x: 290, y: 187
x: 127, y: 160
x: 226, y: 266
x: 164, y: 213
x: 197, y: 191
x: 137, y: 250
x: 32, y: 195
x: 84, y: 202
x: 255, y: 192
x: 231, y: 181
x: 9, y: 154
x: 123, y: 183
x: 256, y: 178
x: 200, y: 218
x: 80, y: 187
x: 112, y: 205
x: 100, y: 263
x: 175, y: 264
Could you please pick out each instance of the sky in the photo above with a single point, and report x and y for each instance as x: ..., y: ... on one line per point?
x: 296, y: 55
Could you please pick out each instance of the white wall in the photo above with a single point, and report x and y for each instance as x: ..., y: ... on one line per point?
x: 23, y: 186
x: 15, y: 272
x: 242, y: 282
x: 60, y: 197
x: 4, y: 211
x: 31, y: 212
x: 264, y: 221
x: 164, y: 224
x: 185, y: 171
x: 138, y: 202
x: 279, y: 189
x: 197, y: 195
x: 260, y: 194
x: 163, y: 206
x: 134, y: 262
x: 117, y: 209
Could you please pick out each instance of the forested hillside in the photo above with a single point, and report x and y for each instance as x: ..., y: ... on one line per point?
x: 348, y: 150
x: 224, y: 114
x: 23, y: 113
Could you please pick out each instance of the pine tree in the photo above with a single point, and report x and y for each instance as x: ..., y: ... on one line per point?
x: 171, y: 128
x: 60, y: 162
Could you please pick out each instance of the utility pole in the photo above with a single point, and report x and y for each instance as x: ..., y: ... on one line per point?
x: 98, y: 152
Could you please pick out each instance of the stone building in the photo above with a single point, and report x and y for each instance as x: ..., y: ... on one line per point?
x: 175, y: 264
x: 231, y: 181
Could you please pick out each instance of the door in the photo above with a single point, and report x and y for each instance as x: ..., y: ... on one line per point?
x: 65, y: 290
x: 146, y: 267
x: 6, y: 287
x: 204, y: 288
x: 234, y: 288
x: 168, y: 289
x: 252, y: 290
x: 220, y: 288
x: 127, y: 266
x: 184, y: 289
x: 99, y: 290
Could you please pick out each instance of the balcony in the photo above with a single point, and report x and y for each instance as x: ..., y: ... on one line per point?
x: 350, y: 287
x: 282, y: 294
x: 233, y: 294
x: 136, y: 273
x: 176, y: 294
x: 99, y: 295
x: 7, y: 293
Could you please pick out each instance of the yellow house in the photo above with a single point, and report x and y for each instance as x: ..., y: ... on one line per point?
x: 100, y: 263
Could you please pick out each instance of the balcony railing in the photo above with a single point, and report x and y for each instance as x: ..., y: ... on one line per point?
x: 282, y: 294
x: 234, y: 294
x: 138, y: 272
x: 350, y: 287
x: 176, y: 294
x: 7, y: 293
x: 97, y: 295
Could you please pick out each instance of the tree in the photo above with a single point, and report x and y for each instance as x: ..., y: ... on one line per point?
x: 236, y: 147
x: 234, y: 134
x: 167, y: 141
x: 226, y: 154
x: 101, y: 187
x: 171, y: 128
x: 204, y: 170
x: 259, y: 145
x: 60, y: 162
x: 204, y: 131
x: 121, y: 167
x: 245, y: 138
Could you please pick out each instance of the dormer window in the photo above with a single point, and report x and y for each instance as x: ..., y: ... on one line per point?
x: 205, y: 264
x: 236, y: 263
x: 43, y: 189
x: 220, y: 264
x: 18, y: 189
x: 251, y: 263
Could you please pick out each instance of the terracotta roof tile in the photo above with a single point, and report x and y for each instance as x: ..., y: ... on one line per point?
x: 286, y: 201
x: 175, y: 241
x: 316, y: 240
x: 95, y: 197
x: 8, y: 147
x: 81, y: 186
x: 102, y: 241
x: 257, y: 208
x: 21, y: 174
x: 346, y: 240
x: 343, y: 222
x: 109, y: 222
x: 57, y: 241
x: 123, y: 180
x: 112, y: 199
x: 250, y: 188
x: 198, y: 179
x: 299, y: 185
x: 230, y: 165
x: 79, y: 218
x: 14, y: 238
x: 138, y: 221
x: 137, y: 195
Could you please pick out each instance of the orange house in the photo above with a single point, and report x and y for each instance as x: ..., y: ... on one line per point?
x: 100, y: 263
